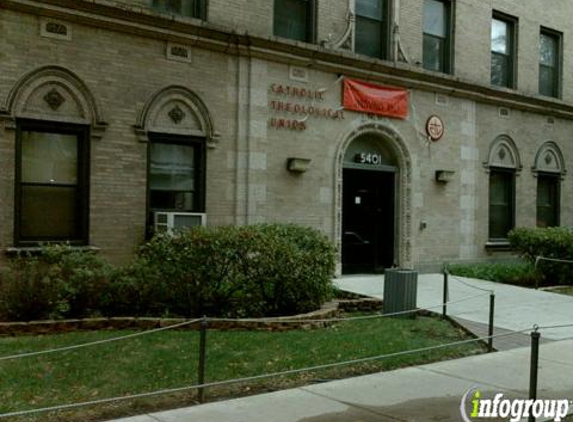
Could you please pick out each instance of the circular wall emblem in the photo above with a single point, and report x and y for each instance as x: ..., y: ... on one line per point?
x: 435, y: 128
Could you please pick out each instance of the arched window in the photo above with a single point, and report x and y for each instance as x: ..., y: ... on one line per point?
x: 549, y: 169
x: 56, y: 118
x: 179, y: 128
x: 503, y: 163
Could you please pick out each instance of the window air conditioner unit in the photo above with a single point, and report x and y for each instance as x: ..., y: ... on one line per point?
x: 170, y: 222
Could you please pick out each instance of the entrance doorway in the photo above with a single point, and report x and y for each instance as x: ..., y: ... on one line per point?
x: 367, y: 220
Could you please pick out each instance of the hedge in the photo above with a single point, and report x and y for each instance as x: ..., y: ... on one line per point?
x: 254, y: 271
x: 552, y: 242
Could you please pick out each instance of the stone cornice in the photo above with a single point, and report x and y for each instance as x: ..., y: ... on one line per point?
x: 134, y: 20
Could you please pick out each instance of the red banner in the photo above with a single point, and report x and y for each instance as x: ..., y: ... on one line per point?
x: 375, y: 99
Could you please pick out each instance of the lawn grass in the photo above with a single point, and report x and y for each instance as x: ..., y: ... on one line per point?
x: 564, y: 290
x: 519, y: 273
x: 168, y: 359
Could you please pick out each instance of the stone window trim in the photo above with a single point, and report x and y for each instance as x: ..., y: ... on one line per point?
x: 59, y: 86
x: 549, y: 159
x: 503, y: 153
x: 176, y: 110
x: 15, y: 251
x: 503, y: 156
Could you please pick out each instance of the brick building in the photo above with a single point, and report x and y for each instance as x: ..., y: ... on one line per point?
x: 120, y: 116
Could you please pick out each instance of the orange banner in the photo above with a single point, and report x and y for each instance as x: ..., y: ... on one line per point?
x: 375, y: 99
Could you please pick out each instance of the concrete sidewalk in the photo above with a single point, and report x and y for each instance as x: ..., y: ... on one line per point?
x: 425, y: 393
x: 516, y: 308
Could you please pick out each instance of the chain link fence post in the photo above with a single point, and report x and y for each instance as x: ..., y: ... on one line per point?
x: 446, y: 294
x: 535, y: 335
x: 490, y: 327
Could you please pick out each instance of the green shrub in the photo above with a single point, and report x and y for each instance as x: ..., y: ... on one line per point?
x: 552, y: 242
x: 26, y: 293
x: 253, y: 271
x: 267, y: 269
x: 518, y: 273
x: 58, y: 283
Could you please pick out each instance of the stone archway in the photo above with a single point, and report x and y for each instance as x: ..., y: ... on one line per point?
x: 395, y: 155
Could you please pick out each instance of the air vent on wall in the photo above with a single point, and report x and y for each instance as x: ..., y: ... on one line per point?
x: 51, y: 28
x: 504, y: 112
x: 178, y: 52
x: 299, y: 74
x: 441, y: 99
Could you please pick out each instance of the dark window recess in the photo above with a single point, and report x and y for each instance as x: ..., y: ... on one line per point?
x: 501, y: 203
x: 548, y: 203
x: 437, y: 36
x: 52, y: 173
x: 176, y: 175
x: 502, y: 52
x: 372, y: 28
x: 295, y: 19
x: 189, y: 8
x: 549, y: 63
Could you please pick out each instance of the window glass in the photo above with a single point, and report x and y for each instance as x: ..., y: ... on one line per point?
x: 435, y: 18
x: 49, y: 212
x: 501, y: 199
x: 547, y: 200
x: 371, y: 31
x: 500, y: 70
x: 499, y: 36
x: 370, y: 8
x: 548, y: 50
x: 49, y: 158
x: 172, y: 177
x: 292, y: 19
x: 190, y: 8
x: 52, y: 201
x: 368, y: 37
x: 433, y: 53
x: 549, y: 64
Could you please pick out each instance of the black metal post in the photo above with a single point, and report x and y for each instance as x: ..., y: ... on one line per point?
x: 535, y: 335
x: 202, y: 360
x: 446, y: 294
x: 490, y: 328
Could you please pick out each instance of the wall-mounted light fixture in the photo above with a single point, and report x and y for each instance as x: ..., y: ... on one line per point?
x: 298, y: 165
x: 444, y: 176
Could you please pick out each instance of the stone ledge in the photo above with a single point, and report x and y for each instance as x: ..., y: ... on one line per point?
x: 307, y: 321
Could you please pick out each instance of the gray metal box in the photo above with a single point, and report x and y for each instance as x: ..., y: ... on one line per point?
x: 400, y: 290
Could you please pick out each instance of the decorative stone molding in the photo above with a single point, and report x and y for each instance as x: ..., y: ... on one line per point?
x: 393, y: 142
x: 346, y: 40
x: 53, y: 93
x: 179, y: 111
x: 503, y: 153
x: 549, y: 159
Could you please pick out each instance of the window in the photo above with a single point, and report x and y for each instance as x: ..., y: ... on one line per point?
x: 548, y: 192
x: 189, y: 8
x: 501, y: 203
x: 503, y: 51
x: 437, y: 36
x: 549, y: 63
x: 52, y: 173
x: 372, y: 28
x: 176, y: 174
x: 295, y: 19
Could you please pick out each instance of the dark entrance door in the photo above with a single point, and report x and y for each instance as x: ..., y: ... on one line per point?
x: 367, y: 221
